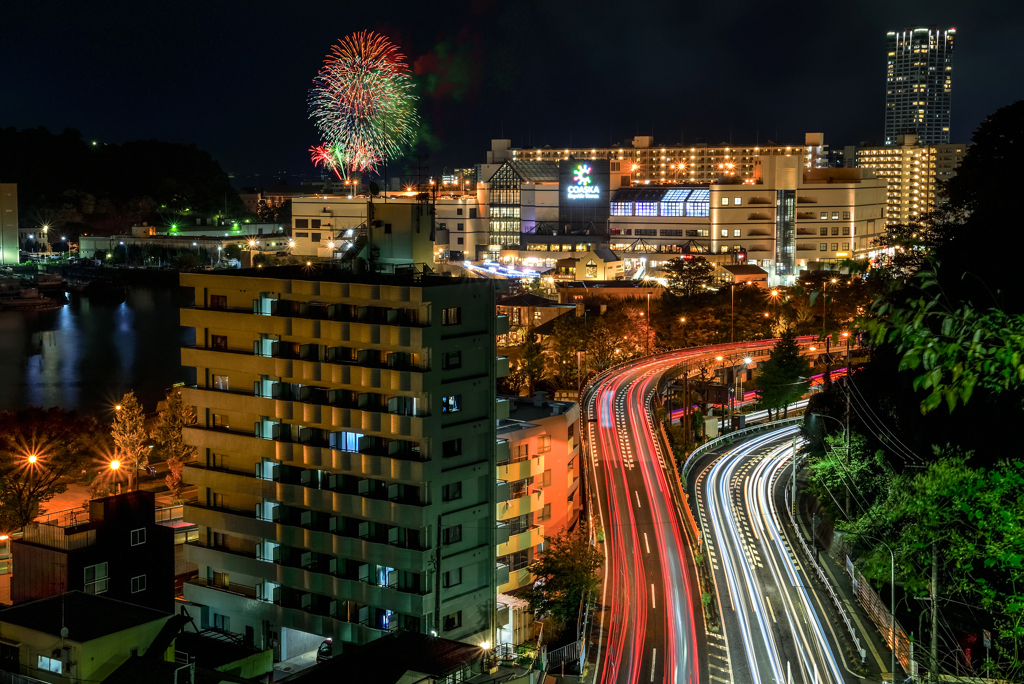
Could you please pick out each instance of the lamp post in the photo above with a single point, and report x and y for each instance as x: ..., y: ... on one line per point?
x: 115, y: 467
x: 648, y: 334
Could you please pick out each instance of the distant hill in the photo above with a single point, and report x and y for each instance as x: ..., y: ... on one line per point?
x: 82, y: 186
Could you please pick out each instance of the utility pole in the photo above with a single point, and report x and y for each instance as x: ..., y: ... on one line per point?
x: 793, y: 477
x: 933, y: 670
x: 437, y: 580
x: 687, y: 405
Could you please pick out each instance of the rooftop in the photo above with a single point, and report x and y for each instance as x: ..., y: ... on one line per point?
x: 535, y: 171
x: 521, y: 410
x: 598, y: 284
x: 330, y: 273
x: 528, y: 299
x: 388, y: 659
x: 744, y: 269
x: 78, y: 612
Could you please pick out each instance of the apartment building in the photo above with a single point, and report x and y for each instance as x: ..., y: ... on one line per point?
x: 913, y: 171
x: 919, y: 83
x: 346, y: 454
x: 539, y: 481
x: 644, y: 162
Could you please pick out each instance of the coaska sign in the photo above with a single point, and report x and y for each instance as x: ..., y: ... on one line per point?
x: 582, y: 187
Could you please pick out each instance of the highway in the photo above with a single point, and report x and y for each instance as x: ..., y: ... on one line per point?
x: 651, y: 624
x: 776, y: 628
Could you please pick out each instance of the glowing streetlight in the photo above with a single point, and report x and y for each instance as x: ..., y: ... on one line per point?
x: 117, y: 408
x: 115, y: 465
x: 33, y: 458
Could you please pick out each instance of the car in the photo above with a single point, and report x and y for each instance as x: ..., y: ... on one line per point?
x: 326, y: 651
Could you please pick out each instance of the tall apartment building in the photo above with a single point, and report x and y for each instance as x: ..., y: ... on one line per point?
x: 539, y: 476
x: 913, y: 171
x: 645, y: 162
x: 346, y: 454
x: 918, y: 84
x: 9, y: 223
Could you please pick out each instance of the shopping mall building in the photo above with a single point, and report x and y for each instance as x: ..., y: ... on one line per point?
x: 784, y: 215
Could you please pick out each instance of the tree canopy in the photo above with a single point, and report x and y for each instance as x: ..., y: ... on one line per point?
x: 170, y: 441
x: 566, y: 573
x: 783, y: 377
x: 688, y: 275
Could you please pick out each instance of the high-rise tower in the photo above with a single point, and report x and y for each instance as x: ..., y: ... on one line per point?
x: 919, y: 73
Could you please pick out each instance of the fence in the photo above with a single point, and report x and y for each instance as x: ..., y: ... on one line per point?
x: 880, y: 615
x: 728, y: 439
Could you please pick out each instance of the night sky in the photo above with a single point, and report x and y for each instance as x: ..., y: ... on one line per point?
x: 232, y: 77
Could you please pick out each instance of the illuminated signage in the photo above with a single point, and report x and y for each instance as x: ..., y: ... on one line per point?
x: 583, y: 187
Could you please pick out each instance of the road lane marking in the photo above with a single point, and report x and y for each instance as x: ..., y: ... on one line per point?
x: 646, y: 544
x: 654, y: 656
x: 652, y: 598
x: 770, y: 609
x: 637, y: 499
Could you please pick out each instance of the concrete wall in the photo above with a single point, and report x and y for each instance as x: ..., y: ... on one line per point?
x: 9, y: 223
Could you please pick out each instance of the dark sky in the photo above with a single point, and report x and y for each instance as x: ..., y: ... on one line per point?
x: 232, y: 77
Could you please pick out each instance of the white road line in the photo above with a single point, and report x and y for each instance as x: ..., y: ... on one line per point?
x: 637, y: 499
x: 652, y: 598
x: 654, y: 657
x: 646, y: 544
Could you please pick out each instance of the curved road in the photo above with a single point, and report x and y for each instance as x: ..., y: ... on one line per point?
x: 777, y: 629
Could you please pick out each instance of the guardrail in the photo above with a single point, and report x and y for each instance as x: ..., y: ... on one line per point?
x: 821, y: 576
x: 728, y: 439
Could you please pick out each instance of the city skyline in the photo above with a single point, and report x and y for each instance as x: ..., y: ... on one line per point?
x: 474, y: 68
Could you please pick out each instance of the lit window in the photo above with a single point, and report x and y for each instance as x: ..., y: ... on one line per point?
x: 737, y: 200
x: 451, y: 316
x: 96, y: 579
x: 725, y: 233
x: 725, y: 201
x: 824, y: 216
x: 736, y: 232
x: 823, y: 247
x: 835, y: 246
x: 451, y: 404
x: 49, y: 665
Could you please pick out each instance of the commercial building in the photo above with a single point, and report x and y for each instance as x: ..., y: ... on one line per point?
x: 539, y: 471
x: 9, y: 244
x: 918, y: 84
x: 120, y: 552
x: 346, y: 450
x: 913, y: 171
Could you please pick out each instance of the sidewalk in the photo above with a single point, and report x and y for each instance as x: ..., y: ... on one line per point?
x: 877, y: 663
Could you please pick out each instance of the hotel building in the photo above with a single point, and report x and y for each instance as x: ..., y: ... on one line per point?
x: 346, y: 450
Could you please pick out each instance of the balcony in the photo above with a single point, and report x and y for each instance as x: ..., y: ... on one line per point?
x: 522, y: 541
x: 521, y: 470
x: 525, y: 504
x: 516, y: 580
x: 501, y: 367
x: 501, y: 574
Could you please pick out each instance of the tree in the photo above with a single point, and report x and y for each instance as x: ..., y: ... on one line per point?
x: 688, y: 275
x: 170, y: 441
x: 568, y: 338
x: 531, y: 361
x: 40, y: 449
x: 129, y: 433
x: 232, y: 251
x: 566, y: 574
x: 782, y: 379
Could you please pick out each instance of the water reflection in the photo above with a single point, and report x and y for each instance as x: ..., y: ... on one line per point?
x: 88, y: 353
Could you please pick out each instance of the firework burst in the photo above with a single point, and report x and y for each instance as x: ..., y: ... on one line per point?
x: 362, y: 102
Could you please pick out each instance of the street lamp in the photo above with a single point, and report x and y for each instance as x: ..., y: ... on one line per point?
x: 115, y: 467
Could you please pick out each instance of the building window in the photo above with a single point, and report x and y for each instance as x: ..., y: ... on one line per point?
x: 451, y: 535
x: 835, y: 215
x: 846, y: 216
x: 823, y: 247
x: 846, y: 231
x: 460, y: 226
x: 622, y: 209
x: 846, y: 246
x: 725, y: 232
x: 49, y: 665
x: 673, y: 209
x: 520, y: 452
x: 737, y: 200
x: 96, y: 579
x: 458, y: 212
x: 442, y: 226
x: 451, y: 447
x: 453, y: 578
x: 835, y: 246
x: 823, y: 230
x: 302, y: 235
x: 451, y: 316
x: 547, y: 478
x: 698, y: 208
x: 139, y: 536
x: 222, y: 622
x: 218, y: 302
x: 302, y: 223
x: 591, y: 270
x: 824, y: 216
x: 645, y: 209
x: 219, y: 342
x: 543, y: 444
x: 472, y: 212
x: 725, y: 201
x: 835, y: 230
x: 571, y: 431
x: 736, y: 232
x: 314, y: 237
x: 451, y: 492
x: 460, y: 241
x: 453, y: 621
x: 451, y: 360
x: 138, y: 584
x: 651, y: 232
x: 671, y: 232
x: 220, y: 382
x: 451, y: 404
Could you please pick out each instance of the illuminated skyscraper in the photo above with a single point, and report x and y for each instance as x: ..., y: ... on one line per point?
x: 919, y: 72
